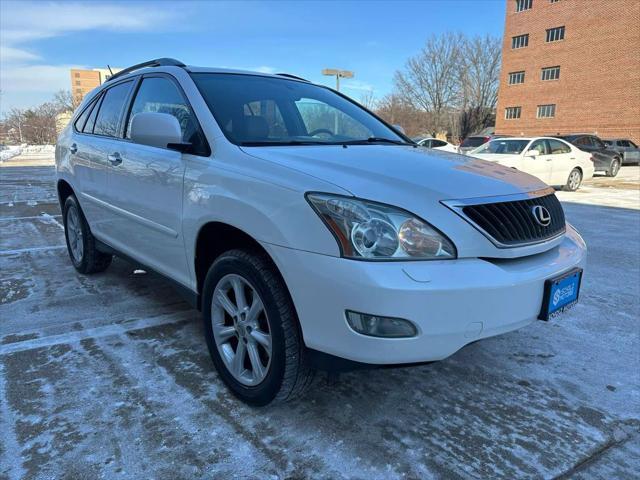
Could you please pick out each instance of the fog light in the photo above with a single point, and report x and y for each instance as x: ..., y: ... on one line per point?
x: 377, y: 326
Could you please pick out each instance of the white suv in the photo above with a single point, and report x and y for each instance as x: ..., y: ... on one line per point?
x: 309, y: 232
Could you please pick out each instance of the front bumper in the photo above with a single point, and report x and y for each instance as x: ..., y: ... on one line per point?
x: 451, y: 302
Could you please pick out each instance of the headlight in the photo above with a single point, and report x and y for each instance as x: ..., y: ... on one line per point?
x: 369, y: 230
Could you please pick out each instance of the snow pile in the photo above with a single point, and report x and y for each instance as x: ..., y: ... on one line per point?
x: 9, y: 152
x: 39, y: 149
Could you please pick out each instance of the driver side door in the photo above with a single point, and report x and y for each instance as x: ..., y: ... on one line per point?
x: 541, y: 165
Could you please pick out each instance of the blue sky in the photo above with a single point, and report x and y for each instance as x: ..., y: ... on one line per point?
x: 41, y: 40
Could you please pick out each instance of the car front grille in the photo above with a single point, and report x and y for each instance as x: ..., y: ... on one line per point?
x: 514, y: 223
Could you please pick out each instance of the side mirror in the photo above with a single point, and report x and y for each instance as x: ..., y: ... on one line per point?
x: 156, y: 130
x: 531, y: 153
x: 399, y: 129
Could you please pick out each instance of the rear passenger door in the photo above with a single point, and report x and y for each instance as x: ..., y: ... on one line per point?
x: 97, y: 130
x: 563, y: 161
x: 146, y: 185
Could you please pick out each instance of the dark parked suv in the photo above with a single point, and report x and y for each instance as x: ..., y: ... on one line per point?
x: 604, y: 159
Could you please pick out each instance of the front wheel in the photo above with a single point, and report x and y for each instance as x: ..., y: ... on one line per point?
x: 80, y: 242
x: 614, y: 168
x: 574, y: 180
x: 252, y: 329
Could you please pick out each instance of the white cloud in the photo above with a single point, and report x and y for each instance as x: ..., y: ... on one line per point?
x: 27, y: 21
x: 14, y: 55
x: 264, y: 69
x: 35, y: 78
x: 356, y: 85
x: 25, y: 77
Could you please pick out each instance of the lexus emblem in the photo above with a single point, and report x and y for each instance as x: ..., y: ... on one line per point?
x: 541, y: 215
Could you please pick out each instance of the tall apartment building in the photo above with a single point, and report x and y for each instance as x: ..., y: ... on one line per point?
x: 83, y: 81
x: 570, y: 66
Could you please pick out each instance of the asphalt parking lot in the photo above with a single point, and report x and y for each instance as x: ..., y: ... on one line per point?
x: 108, y: 376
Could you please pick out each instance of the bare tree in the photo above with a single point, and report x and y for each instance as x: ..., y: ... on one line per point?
x: 368, y: 100
x: 430, y: 80
x: 453, y: 81
x: 398, y: 111
x: 36, y: 126
x: 479, y: 77
x: 65, y: 101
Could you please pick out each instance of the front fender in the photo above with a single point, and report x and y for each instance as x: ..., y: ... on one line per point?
x: 270, y: 212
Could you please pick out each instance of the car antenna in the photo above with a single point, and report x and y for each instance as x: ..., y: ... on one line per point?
x: 110, y: 72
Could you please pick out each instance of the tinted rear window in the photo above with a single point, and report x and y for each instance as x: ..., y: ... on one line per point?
x: 473, y: 142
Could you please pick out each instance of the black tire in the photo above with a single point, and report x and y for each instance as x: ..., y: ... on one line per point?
x: 614, y: 168
x: 91, y: 260
x: 574, y: 180
x: 288, y: 374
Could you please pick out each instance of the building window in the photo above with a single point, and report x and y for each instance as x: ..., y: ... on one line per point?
x: 550, y: 73
x: 77, y: 74
x: 523, y: 5
x: 512, y: 112
x: 555, y: 34
x: 521, y: 41
x: 547, y: 111
x: 516, y: 77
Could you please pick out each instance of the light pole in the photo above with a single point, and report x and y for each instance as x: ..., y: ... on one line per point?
x: 334, y: 72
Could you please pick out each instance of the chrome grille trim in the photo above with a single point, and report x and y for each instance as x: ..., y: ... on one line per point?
x: 507, y: 220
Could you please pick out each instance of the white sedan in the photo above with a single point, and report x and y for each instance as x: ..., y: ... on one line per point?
x: 437, y: 144
x: 552, y: 160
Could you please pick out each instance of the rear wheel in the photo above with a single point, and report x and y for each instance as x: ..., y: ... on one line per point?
x: 574, y: 180
x: 80, y: 243
x: 252, y: 330
x: 614, y: 168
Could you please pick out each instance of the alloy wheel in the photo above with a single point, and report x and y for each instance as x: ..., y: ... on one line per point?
x: 74, y: 234
x: 574, y: 180
x: 614, y: 168
x: 241, y: 329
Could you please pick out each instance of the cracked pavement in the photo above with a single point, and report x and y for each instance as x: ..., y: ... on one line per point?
x: 108, y: 376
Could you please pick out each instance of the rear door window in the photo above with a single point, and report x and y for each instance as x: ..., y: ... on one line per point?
x: 113, y: 102
x: 583, y: 142
x: 558, y: 147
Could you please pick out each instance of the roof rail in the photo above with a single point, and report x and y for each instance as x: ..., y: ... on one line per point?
x: 158, y: 62
x: 295, y: 77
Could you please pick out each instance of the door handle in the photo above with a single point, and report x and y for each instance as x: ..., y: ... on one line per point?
x: 115, y: 158
x: 73, y: 148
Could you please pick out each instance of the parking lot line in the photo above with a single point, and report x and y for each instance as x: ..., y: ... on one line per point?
x: 97, y: 332
x: 31, y: 249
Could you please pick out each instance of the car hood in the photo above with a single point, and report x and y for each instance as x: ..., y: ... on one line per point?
x: 387, y: 173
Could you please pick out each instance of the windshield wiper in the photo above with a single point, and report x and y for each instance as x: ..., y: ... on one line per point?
x: 279, y: 144
x: 369, y: 140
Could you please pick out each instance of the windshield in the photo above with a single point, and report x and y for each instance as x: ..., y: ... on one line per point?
x: 507, y: 147
x: 254, y: 110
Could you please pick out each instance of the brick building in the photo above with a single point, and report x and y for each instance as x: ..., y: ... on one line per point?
x: 83, y: 81
x: 570, y: 66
